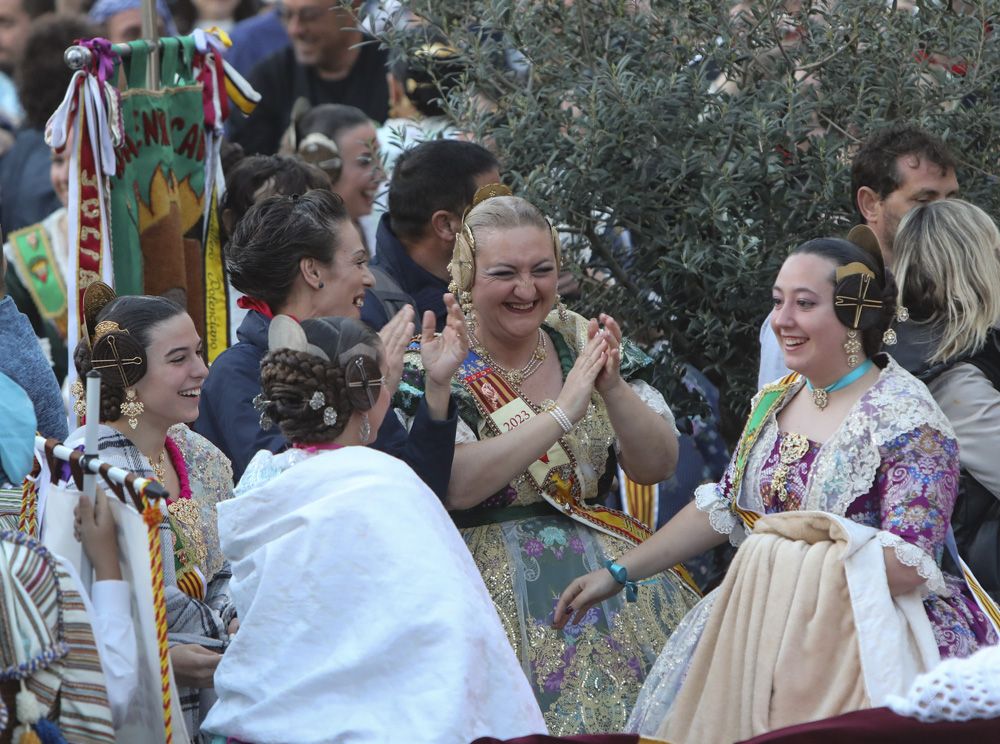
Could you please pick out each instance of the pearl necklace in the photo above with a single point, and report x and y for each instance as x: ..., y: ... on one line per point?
x: 516, y: 376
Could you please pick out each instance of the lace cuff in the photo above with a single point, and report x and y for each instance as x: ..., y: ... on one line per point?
x: 720, y: 516
x: 654, y: 399
x: 915, y: 557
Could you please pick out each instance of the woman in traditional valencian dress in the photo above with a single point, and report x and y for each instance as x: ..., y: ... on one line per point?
x: 148, y: 354
x: 363, y: 617
x: 545, y: 407
x: 838, y: 600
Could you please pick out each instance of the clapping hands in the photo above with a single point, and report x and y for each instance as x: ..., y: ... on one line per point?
x: 442, y: 353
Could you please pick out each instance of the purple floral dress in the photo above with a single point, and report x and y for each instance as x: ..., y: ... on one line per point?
x: 912, y: 497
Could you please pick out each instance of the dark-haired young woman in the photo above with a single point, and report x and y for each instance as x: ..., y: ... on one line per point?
x: 363, y: 616
x: 303, y: 257
x: 846, y: 473
x: 148, y: 354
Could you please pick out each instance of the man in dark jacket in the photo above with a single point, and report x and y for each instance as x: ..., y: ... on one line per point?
x: 432, y: 185
x: 329, y: 61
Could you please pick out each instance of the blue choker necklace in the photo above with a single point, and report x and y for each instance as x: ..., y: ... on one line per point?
x: 821, y: 396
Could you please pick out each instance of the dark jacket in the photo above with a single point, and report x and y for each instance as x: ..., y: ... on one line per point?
x: 281, y: 80
x: 426, y: 289
x: 228, y: 419
x: 26, y: 193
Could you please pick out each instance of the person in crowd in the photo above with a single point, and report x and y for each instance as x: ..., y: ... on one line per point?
x: 256, y: 38
x: 206, y: 14
x: 947, y: 258
x: 859, y: 444
x: 419, y: 82
x: 149, y: 356
x: 107, y: 605
x: 896, y: 169
x: 38, y: 254
x: 27, y: 195
x: 121, y: 20
x: 256, y: 177
x: 341, y: 141
x: 15, y: 21
x: 252, y: 180
x: 323, y: 384
x: 431, y: 188
x: 545, y: 397
x: 302, y: 256
x: 328, y: 61
x: 25, y: 363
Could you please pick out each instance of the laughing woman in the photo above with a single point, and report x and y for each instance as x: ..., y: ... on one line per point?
x: 148, y: 354
x: 546, y: 404
x: 302, y: 256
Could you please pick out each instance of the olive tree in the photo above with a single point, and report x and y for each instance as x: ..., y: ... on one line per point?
x: 683, y: 146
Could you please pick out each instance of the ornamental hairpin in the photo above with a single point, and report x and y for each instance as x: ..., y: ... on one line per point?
x: 260, y: 404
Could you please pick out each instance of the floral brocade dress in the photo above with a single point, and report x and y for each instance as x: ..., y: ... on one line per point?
x: 892, y: 465
x: 587, y: 676
x: 905, y: 500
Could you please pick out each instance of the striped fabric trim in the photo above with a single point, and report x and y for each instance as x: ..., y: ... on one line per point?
x: 74, y: 682
x: 638, y: 500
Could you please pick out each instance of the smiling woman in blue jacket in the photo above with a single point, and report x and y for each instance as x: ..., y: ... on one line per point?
x: 302, y: 256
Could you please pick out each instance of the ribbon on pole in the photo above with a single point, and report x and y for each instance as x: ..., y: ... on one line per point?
x: 88, y: 122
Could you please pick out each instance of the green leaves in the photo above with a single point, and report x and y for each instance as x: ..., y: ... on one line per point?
x: 716, y: 149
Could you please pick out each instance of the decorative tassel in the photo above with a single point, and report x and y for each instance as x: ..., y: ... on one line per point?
x: 28, y: 708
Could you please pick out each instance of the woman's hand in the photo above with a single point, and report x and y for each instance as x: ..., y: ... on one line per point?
x: 442, y: 353
x: 194, y: 665
x: 96, y: 530
x: 395, y: 335
x: 575, y: 395
x: 583, y: 594
x: 610, y: 377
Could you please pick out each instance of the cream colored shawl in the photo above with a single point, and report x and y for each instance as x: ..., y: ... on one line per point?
x: 803, y: 628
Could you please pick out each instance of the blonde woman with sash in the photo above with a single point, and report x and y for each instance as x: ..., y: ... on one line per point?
x: 844, y: 479
x: 543, y: 406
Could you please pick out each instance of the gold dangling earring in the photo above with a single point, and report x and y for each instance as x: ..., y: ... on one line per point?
x: 563, y: 312
x: 78, y: 391
x: 132, y: 408
x: 465, y: 302
x: 852, y: 347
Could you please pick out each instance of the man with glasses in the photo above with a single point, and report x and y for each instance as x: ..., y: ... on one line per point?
x: 323, y: 64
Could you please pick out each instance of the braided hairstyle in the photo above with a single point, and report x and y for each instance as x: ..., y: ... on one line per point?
x: 290, y: 379
x: 136, y: 315
x: 843, y: 252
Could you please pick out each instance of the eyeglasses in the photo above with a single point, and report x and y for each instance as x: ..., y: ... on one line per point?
x: 309, y: 14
